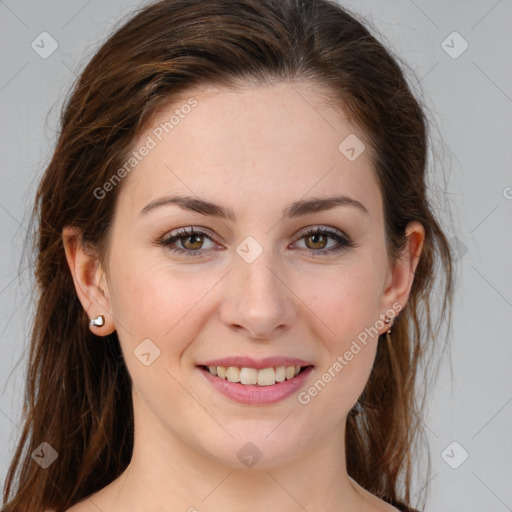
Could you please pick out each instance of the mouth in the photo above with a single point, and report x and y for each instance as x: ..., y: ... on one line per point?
x: 255, y: 377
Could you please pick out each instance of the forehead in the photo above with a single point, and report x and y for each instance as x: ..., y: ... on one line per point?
x: 250, y: 146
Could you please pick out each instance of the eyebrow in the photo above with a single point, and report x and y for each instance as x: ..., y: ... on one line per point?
x: 296, y: 209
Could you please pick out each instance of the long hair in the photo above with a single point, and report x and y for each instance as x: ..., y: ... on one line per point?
x: 78, y: 390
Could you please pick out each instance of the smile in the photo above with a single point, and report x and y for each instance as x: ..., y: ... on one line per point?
x: 252, y: 376
x: 256, y: 386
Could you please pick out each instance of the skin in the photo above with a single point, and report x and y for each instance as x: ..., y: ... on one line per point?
x: 255, y: 150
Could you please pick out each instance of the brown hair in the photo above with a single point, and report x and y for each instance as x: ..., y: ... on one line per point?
x: 78, y: 395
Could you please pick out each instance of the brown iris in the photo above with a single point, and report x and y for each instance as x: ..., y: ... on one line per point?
x: 320, y: 239
x: 196, y: 244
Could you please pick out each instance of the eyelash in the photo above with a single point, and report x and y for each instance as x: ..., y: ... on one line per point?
x: 343, y: 240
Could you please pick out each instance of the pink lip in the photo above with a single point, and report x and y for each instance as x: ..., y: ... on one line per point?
x: 257, y: 395
x: 249, y: 362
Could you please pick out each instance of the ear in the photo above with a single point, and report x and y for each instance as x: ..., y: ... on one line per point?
x: 89, y: 279
x: 401, y: 274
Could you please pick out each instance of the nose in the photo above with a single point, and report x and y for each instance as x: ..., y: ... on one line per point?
x: 257, y: 301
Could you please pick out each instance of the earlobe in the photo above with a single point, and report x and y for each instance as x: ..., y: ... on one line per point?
x: 88, y: 279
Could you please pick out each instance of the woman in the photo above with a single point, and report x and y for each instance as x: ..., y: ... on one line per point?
x: 235, y: 250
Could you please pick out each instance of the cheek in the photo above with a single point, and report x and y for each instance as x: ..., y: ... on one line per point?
x: 349, y: 311
x: 158, y: 301
x: 346, y: 300
x: 347, y: 304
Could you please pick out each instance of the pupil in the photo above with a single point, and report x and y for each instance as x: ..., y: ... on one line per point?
x: 194, y: 239
x: 317, y: 239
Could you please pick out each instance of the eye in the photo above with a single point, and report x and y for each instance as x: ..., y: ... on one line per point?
x: 317, y: 239
x: 192, y: 241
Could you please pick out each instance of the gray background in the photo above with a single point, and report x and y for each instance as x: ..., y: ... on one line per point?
x: 470, y: 98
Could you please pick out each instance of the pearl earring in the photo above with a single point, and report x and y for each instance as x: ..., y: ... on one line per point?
x: 99, y: 321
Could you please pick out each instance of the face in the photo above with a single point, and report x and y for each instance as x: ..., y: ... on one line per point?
x: 273, y: 275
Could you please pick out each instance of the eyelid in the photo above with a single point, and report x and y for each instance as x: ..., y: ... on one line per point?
x: 322, y: 229
x: 190, y: 230
x: 178, y: 233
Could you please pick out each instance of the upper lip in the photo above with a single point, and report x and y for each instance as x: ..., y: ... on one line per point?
x: 249, y: 362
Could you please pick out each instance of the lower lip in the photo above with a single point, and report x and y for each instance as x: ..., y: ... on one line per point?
x: 258, y: 395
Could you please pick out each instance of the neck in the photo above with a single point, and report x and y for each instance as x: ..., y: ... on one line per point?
x: 166, y: 473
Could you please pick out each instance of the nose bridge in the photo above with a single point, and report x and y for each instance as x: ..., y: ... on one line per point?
x: 259, y: 281
x: 258, y: 300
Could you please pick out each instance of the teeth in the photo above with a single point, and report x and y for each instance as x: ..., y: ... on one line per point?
x: 290, y: 372
x: 280, y: 373
x: 248, y: 376
x: 266, y: 377
x: 233, y: 374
